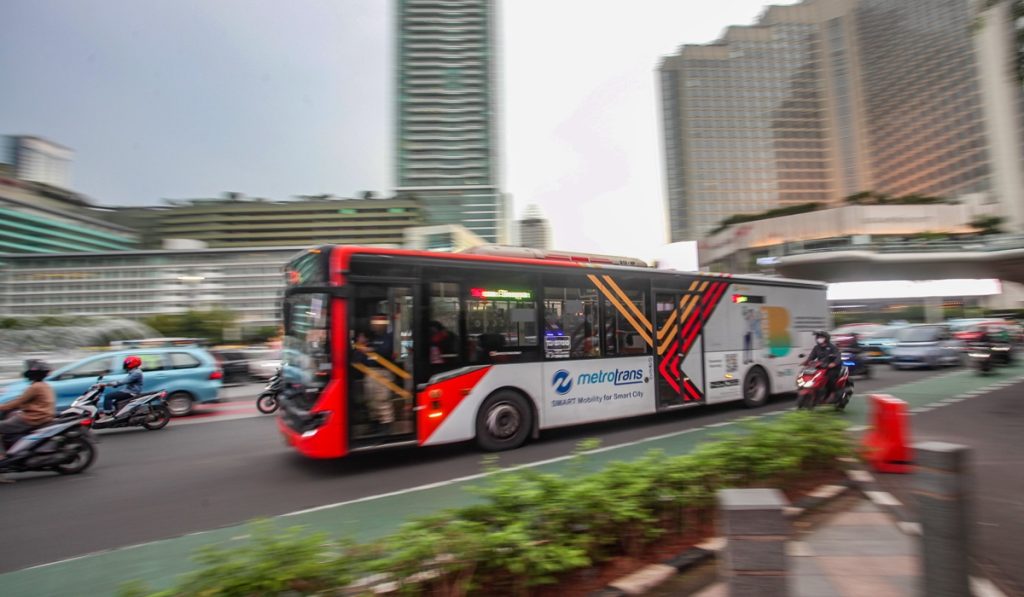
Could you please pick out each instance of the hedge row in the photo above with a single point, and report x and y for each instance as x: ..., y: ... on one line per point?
x: 531, y: 528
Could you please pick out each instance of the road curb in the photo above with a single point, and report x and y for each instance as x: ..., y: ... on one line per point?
x: 636, y: 583
x: 857, y: 479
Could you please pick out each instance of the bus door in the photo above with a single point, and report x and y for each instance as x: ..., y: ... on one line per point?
x: 678, y: 349
x: 381, y: 358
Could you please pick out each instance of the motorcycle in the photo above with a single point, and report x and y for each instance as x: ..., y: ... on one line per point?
x: 855, y: 361
x: 981, y: 357
x: 267, y: 401
x: 146, y: 410
x: 811, y: 387
x: 65, y: 446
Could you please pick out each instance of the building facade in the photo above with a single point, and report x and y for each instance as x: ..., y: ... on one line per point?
x: 38, y: 160
x: 446, y: 238
x: 36, y: 218
x: 138, y: 284
x: 235, y: 221
x: 533, y: 230
x: 827, y: 98
x: 446, y: 113
x: 752, y: 247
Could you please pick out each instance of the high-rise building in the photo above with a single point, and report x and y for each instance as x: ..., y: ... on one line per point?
x: 34, y: 159
x: 446, y: 112
x: 824, y: 99
x: 533, y: 230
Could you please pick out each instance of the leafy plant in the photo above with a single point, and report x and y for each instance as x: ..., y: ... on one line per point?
x: 531, y: 528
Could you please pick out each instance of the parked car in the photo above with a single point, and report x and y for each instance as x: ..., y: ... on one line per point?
x: 235, y: 365
x: 264, y: 365
x: 926, y: 345
x: 842, y: 334
x: 190, y: 375
x: 878, y: 344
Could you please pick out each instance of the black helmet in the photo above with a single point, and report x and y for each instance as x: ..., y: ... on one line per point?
x: 36, y: 370
x: 822, y: 334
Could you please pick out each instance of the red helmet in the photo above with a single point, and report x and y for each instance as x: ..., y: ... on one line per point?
x: 132, y: 362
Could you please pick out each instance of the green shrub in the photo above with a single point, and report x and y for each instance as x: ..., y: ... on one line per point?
x: 531, y: 528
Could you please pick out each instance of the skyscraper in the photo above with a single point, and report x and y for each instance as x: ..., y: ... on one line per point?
x: 447, y: 146
x: 533, y: 229
x: 826, y: 98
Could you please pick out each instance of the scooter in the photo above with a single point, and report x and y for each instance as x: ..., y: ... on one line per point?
x: 65, y: 446
x: 145, y: 410
x: 267, y: 401
x: 981, y: 357
x: 811, y: 387
x: 856, y: 362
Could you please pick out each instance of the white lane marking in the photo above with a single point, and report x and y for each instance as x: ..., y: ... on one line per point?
x: 883, y: 498
x: 214, y: 419
x: 910, y: 528
x: 860, y: 476
x: 922, y: 409
x: 983, y: 587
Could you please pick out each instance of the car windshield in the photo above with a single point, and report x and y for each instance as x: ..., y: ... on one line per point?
x: 918, y: 334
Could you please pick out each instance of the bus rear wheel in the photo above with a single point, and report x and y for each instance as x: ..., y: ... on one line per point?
x: 503, y: 422
x: 755, y: 388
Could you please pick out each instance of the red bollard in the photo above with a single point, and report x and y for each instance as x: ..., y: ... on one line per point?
x: 887, y: 443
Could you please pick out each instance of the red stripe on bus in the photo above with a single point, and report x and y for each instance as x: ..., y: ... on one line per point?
x: 439, y: 400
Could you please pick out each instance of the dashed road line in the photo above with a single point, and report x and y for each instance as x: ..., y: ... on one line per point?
x: 883, y: 498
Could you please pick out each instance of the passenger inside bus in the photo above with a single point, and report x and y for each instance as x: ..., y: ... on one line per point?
x: 444, y: 348
x: 374, y: 343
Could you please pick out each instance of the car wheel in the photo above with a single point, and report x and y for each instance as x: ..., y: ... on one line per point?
x: 755, y: 388
x: 180, y: 404
x: 503, y: 421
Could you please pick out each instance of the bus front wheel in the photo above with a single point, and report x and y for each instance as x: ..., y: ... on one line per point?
x: 503, y: 422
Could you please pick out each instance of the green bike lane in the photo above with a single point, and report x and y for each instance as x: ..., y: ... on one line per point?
x: 159, y: 563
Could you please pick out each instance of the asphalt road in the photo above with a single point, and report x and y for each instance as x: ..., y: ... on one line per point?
x: 993, y: 426
x: 187, y: 478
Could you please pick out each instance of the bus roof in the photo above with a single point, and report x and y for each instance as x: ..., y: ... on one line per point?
x: 341, y: 256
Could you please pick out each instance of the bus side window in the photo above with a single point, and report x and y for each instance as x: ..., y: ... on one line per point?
x: 443, y: 342
x: 620, y: 337
x: 572, y: 313
x: 501, y: 322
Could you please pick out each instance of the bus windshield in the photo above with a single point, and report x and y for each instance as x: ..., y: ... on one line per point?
x: 305, y: 357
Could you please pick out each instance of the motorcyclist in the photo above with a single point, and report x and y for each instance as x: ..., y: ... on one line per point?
x: 36, y: 406
x: 132, y: 385
x: 828, y: 356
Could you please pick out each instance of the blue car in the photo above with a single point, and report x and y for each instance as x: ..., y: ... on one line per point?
x: 190, y: 375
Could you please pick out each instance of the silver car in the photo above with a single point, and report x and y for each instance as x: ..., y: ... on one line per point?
x: 926, y: 345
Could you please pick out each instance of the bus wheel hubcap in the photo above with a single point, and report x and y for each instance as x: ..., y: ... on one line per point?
x: 755, y: 389
x: 503, y: 420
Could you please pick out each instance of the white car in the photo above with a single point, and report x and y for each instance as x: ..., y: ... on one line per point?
x: 263, y: 366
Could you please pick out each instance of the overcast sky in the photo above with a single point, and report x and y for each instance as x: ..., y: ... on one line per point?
x: 191, y: 98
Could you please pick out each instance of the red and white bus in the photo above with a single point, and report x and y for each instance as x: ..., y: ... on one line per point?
x: 387, y: 347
